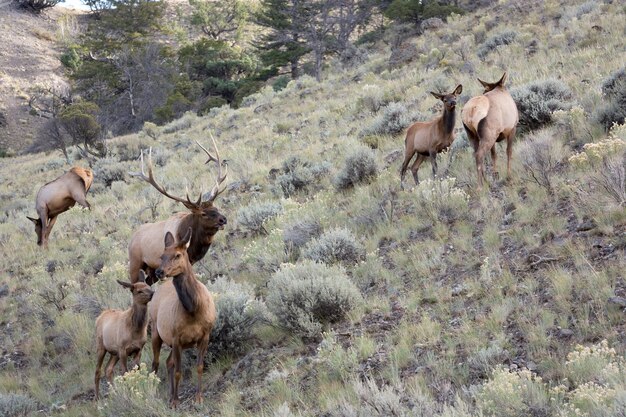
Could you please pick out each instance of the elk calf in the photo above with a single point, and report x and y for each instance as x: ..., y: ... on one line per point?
x: 182, y: 313
x: 123, y: 333
x: 490, y: 118
x: 58, y: 196
x: 427, y: 139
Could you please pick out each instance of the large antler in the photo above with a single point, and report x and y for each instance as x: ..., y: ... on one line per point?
x: 150, y: 180
x: 220, y: 177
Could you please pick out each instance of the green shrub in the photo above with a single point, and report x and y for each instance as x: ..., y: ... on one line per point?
x: 491, y: 44
x: 296, y: 235
x: 151, y: 130
x: 306, y: 296
x: 393, y: 119
x: 281, y: 82
x: 441, y: 201
x: 16, y: 405
x: 254, y: 215
x: 237, y: 314
x: 210, y: 103
x: 614, y: 93
x: 538, y: 100
x: 541, y: 157
x: 359, y: 167
x: 108, y: 170
x: 337, y: 245
x: 71, y: 58
x: 299, y: 175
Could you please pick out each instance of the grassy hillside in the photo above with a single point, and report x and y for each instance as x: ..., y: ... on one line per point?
x: 507, y: 302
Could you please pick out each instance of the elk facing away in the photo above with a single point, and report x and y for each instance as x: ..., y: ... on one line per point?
x: 58, y: 196
x: 182, y: 313
x: 490, y: 118
x: 146, y: 244
x: 123, y: 333
x: 427, y: 139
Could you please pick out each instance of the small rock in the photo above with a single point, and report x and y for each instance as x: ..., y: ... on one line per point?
x: 532, y: 366
x: 459, y: 289
x: 620, y: 301
x: 565, y: 333
x: 586, y: 225
x: 4, y: 290
x: 432, y: 23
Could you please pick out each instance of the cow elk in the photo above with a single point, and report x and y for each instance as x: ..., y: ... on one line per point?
x: 490, y: 118
x: 182, y: 313
x: 427, y: 139
x: 123, y: 333
x: 146, y: 244
x: 58, y: 196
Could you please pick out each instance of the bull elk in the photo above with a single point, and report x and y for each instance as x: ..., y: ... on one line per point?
x: 490, y: 118
x: 123, y: 333
x: 182, y: 313
x: 427, y: 139
x: 58, y: 196
x: 146, y: 244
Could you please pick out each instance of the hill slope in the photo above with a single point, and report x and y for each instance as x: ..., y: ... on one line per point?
x: 471, y: 302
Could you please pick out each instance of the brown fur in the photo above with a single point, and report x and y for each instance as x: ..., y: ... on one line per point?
x: 146, y: 244
x: 490, y: 118
x: 58, y: 196
x: 430, y: 138
x: 123, y: 333
x: 182, y: 313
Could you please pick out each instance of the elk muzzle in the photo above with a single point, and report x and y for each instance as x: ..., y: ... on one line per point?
x: 160, y: 274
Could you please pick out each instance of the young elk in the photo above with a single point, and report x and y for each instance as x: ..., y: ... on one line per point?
x: 123, y: 333
x: 490, y: 118
x: 146, y: 244
x: 58, y: 196
x: 430, y: 138
x: 182, y: 313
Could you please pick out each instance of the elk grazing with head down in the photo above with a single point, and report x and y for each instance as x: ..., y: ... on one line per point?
x: 123, y: 333
x: 490, y: 118
x: 146, y: 244
x: 58, y: 196
x: 427, y: 139
x: 182, y: 313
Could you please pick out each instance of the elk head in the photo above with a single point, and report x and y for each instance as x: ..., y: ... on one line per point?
x: 174, y: 260
x: 38, y: 228
x: 449, y: 100
x: 142, y: 293
x: 490, y: 86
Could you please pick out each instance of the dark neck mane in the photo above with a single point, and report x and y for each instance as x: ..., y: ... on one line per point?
x: 185, y: 285
x: 448, y: 119
x: 201, y: 238
x: 139, y: 316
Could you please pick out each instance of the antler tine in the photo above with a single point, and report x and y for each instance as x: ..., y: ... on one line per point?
x: 215, y: 191
x: 152, y: 181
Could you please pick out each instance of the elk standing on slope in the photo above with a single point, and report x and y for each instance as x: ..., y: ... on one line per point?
x: 146, y: 244
x: 490, y: 118
x: 182, y: 313
x: 430, y: 138
x: 58, y: 196
x: 123, y: 333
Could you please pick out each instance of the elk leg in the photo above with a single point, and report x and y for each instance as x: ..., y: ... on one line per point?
x: 170, y: 374
x: 509, y: 151
x: 433, y: 161
x: 202, y: 347
x: 479, y: 156
x: 51, y: 223
x: 100, y: 355
x: 137, y: 359
x: 176, y: 351
x: 133, y: 269
x: 110, y: 366
x: 416, y: 166
x: 81, y: 199
x: 494, y: 161
x: 124, y: 360
x: 405, y: 164
x: 43, y: 215
x: 156, y: 349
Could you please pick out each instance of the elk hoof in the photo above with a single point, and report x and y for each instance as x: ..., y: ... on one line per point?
x: 174, y: 403
x: 199, y: 399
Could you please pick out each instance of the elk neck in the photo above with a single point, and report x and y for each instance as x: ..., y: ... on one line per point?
x: 186, y: 289
x: 201, y: 237
x: 138, y: 316
x: 448, y: 119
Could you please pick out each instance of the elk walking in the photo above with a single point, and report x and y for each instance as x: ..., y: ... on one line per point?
x: 146, y: 244
x: 182, y: 313
x: 427, y: 139
x: 58, y: 196
x: 490, y: 118
x: 123, y: 333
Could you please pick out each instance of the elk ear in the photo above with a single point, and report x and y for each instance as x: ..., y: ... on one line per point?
x: 437, y: 95
x: 484, y: 83
x: 458, y: 90
x: 125, y: 284
x: 169, y: 240
x: 186, y: 240
x: 142, y: 276
x: 36, y: 221
x: 502, y: 80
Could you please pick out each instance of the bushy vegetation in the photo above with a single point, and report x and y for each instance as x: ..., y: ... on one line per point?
x: 254, y: 216
x: 298, y: 175
x: 537, y: 101
x: 16, y: 405
x: 298, y: 234
x: 491, y: 44
x: 614, y: 93
x: 335, y: 246
x: 359, y: 167
x: 392, y: 118
x: 307, y: 296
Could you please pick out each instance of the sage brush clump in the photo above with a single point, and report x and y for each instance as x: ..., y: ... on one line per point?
x: 359, y: 167
x: 306, y: 296
x: 391, y: 119
x: 491, y: 44
x: 298, y: 234
x: 299, y: 175
x: 614, y: 93
x: 337, y: 245
x: 16, y: 405
x: 538, y: 100
x: 255, y: 215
